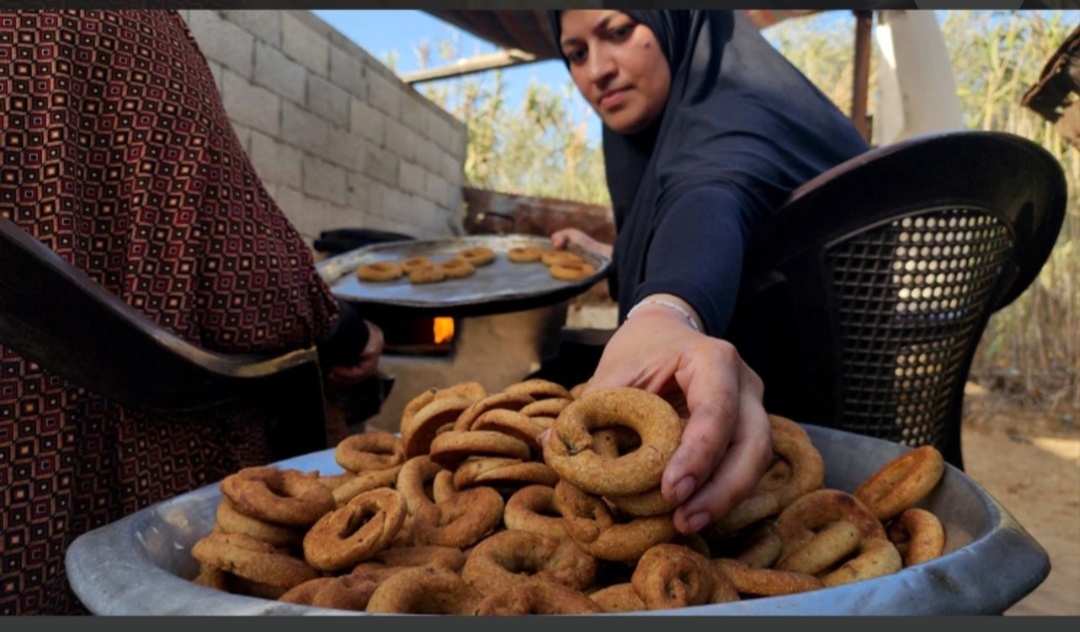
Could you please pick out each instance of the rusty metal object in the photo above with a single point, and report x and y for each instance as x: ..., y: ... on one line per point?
x: 492, y: 213
x: 1054, y: 96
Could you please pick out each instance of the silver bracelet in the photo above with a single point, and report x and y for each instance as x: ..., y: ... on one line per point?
x: 674, y: 306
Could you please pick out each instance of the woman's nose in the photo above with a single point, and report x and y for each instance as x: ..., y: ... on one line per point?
x: 602, y: 68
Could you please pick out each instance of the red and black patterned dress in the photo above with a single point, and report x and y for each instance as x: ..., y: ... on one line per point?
x: 118, y: 155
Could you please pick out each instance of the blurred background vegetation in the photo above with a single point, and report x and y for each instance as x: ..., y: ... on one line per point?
x: 1030, y: 351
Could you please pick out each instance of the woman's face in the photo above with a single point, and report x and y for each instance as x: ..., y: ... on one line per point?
x: 617, y: 65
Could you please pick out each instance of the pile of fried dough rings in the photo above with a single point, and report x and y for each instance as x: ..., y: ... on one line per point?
x: 467, y: 514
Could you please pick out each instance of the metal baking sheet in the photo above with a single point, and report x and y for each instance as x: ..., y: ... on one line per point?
x: 141, y: 564
x: 499, y: 287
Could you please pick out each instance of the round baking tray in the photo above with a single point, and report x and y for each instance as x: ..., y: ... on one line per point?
x: 497, y: 288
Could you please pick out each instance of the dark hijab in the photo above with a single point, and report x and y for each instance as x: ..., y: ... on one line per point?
x: 739, y: 116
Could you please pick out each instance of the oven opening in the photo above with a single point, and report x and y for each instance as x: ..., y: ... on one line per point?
x: 426, y: 337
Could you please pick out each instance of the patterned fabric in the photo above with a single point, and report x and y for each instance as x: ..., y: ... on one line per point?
x: 118, y: 155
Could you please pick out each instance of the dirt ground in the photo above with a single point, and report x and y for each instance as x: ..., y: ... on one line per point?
x: 1030, y: 462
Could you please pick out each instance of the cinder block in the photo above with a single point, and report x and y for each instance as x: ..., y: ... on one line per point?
x: 216, y: 70
x: 251, y: 105
x: 358, y: 192
x: 265, y: 25
x: 411, y: 178
x: 381, y: 165
x: 368, y: 122
x: 347, y: 72
x: 224, y: 42
x: 457, y: 139
x: 346, y: 149
x: 376, y: 222
x: 290, y: 201
x: 384, y: 95
x: 276, y: 162
x: 413, y: 111
x: 243, y: 134
x: 451, y: 168
x: 436, y: 189
x: 400, y: 140
x: 317, y: 216
x: 305, y: 45
x: 303, y: 129
x: 280, y: 74
x: 324, y: 180
x: 328, y: 101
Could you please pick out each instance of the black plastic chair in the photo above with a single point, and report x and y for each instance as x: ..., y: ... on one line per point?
x: 56, y: 316
x: 863, y: 304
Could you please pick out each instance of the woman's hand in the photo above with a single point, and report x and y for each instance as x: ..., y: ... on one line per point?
x: 365, y: 366
x: 560, y: 239
x: 727, y: 445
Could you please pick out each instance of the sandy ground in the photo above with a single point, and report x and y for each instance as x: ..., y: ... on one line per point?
x: 1030, y: 462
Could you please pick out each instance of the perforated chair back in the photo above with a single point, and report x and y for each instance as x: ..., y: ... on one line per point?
x: 864, y: 303
x: 56, y: 316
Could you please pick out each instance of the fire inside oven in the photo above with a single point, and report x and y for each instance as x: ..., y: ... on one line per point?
x: 418, y: 336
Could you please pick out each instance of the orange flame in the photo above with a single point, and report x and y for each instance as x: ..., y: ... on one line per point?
x: 444, y: 329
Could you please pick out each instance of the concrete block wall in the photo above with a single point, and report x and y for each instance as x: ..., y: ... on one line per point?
x: 336, y: 137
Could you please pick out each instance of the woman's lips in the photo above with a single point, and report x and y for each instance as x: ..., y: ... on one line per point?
x: 613, y: 99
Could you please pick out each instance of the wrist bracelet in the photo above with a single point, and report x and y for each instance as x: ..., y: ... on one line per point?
x: 668, y: 304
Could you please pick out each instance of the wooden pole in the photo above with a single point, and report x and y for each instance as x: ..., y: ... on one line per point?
x: 860, y: 93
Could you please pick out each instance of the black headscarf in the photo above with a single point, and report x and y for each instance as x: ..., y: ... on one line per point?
x: 739, y: 116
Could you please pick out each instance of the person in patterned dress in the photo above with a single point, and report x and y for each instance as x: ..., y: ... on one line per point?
x: 117, y: 154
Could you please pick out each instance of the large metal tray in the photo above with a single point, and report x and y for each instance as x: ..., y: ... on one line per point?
x: 499, y: 287
x: 141, y: 564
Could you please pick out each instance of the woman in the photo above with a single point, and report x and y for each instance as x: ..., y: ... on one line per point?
x: 707, y: 129
x: 129, y: 168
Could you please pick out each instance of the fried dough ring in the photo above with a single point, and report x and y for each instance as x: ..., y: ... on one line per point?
x: 650, y: 503
x: 672, y: 576
x: 347, y: 592
x: 499, y: 472
x: 579, y: 389
x: 474, y: 391
x: 412, y: 482
x: 451, y: 449
x: 363, y: 483
x: 436, y: 556
x: 511, y: 423
x: 369, y: 451
x: 366, y: 525
x: 457, y: 268
x: 538, y: 389
x: 379, y: 272
x: 902, y: 482
x: 284, y: 497
x: 334, y: 481
x: 570, y: 451
x: 526, y: 509
x: 590, y: 524
x: 524, y: 254
x: 554, y: 257
x: 834, y: 543
x: 619, y: 598
x: 918, y: 535
x: 821, y: 507
x: 427, y: 274
x: 477, y: 255
x: 419, y: 430
x: 760, y: 547
x: 460, y: 521
x: 572, y: 271
x: 252, y: 559
x: 502, y: 401
x: 537, y: 597
x: 229, y: 520
x: 510, y: 557
x: 762, y: 582
x: 425, y: 590
x: 414, y: 263
x: 444, y: 486
x: 548, y: 407
x: 877, y: 557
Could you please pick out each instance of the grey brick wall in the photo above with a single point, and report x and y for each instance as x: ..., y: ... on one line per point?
x: 336, y: 137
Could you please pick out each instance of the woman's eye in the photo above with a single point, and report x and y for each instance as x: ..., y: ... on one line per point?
x: 622, y: 32
x: 575, y: 55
